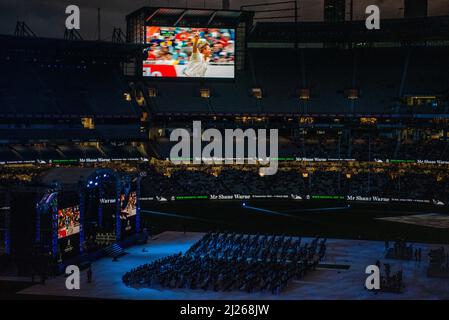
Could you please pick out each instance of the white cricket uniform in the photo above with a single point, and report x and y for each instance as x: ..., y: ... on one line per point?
x: 197, y: 66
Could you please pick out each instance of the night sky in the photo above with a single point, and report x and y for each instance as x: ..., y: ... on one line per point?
x: 46, y: 17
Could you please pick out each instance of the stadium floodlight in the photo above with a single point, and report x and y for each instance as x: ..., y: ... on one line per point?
x: 256, y: 93
x: 368, y: 120
x: 205, y: 93
x: 152, y: 92
x: 127, y: 96
x: 304, y: 94
x: 352, y: 94
x: 140, y: 100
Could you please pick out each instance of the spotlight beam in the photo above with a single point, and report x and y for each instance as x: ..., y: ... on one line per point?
x: 173, y: 215
x: 271, y: 212
x: 320, y: 209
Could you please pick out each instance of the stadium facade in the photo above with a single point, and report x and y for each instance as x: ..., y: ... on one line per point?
x: 362, y: 116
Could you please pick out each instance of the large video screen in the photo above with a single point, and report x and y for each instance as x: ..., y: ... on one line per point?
x: 68, y: 222
x: 128, y: 204
x: 175, y: 52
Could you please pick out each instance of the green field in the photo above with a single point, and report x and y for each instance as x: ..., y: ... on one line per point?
x: 316, y: 218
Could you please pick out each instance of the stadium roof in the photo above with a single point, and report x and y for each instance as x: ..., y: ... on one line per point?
x: 57, y: 46
x: 182, y: 17
x: 153, y: 13
x: 411, y: 30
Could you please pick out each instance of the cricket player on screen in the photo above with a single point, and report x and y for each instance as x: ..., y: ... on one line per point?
x: 199, y: 59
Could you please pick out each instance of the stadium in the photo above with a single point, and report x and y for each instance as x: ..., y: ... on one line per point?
x: 88, y: 178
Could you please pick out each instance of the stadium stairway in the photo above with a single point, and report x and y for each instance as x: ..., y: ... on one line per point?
x: 63, y: 156
x: 114, y: 251
x: 101, y: 151
x: 154, y: 149
x: 141, y: 148
x: 16, y: 153
x: 397, y: 148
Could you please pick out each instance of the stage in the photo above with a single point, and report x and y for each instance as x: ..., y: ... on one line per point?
x: 324, y: 283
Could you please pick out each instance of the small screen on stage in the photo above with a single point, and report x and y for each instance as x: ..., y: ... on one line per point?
x: 129, y: 206
x: 175, y: 52
x: 68, y: 222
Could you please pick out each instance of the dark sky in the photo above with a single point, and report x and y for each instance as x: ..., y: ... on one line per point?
x: 47, y: 17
